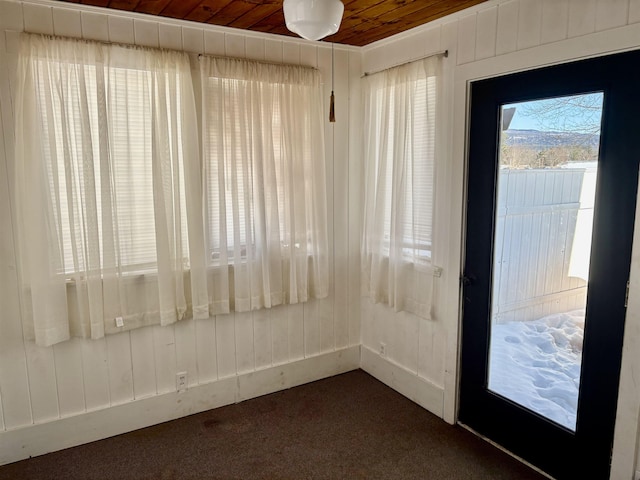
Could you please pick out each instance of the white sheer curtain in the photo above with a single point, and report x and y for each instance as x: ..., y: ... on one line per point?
x: 264, y: 167
x: 106, y: 147
x: 399, y: 152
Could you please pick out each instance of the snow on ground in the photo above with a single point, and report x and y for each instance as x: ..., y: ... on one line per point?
x: 537, y: 364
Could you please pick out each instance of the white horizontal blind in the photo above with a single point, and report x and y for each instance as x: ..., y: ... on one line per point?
x: 410, y: 205
x: 230, y: 174
x: 131, y: 173
x: 127, y: 171
x: 64, y: 118
x: 422, y: 175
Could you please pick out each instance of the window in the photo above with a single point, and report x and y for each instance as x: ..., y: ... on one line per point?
x: 105, y: 144
x: 400, y: 158
x: 415, y: 199
x: 263, y: 156
x: 121, y: 223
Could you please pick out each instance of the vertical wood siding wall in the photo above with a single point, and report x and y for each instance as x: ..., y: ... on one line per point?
x: 42, y: 384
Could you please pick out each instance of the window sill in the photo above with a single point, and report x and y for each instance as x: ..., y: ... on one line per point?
x: 148, y: 274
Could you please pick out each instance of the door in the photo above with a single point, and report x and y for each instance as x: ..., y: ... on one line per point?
x: 551, y: 195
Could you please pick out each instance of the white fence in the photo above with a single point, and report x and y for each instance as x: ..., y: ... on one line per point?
x: 538, y: 211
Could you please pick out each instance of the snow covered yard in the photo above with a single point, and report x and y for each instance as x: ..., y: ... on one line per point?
x: 537, y: 364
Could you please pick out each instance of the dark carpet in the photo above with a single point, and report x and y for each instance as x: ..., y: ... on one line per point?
x: 350, y: 426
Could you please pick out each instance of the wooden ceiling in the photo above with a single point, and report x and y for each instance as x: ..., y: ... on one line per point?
x: 364, y: 21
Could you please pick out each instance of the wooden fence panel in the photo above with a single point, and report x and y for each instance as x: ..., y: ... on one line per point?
x: 537, y: 213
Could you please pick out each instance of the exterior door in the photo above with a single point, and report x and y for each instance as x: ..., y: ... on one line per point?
x: 551, y: 196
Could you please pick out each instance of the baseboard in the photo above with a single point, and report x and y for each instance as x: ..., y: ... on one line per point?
x: 68, y: 432
x: 417, y: 389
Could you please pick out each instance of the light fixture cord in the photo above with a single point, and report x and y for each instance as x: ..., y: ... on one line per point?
x: 332, y: 108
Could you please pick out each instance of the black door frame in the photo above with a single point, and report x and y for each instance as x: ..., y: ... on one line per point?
x: 530, y: 436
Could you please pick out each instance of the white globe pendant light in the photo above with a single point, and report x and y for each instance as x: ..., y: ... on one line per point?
x: 313, y: 19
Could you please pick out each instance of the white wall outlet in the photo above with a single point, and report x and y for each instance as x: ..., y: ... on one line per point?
x: 181, y: 382
x: 383, y: 349
x: 119, y: 322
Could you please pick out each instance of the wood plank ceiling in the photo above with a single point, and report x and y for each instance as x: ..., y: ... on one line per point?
x: 364, y: 21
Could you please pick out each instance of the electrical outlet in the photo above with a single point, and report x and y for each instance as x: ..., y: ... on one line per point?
x: 383, y: 349
x: 181, y: 382
x: 119, y: 322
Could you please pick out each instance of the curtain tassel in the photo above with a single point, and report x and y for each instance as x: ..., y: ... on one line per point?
x: 332, y: 110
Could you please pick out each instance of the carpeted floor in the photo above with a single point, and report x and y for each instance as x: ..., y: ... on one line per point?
x: 350, y: 426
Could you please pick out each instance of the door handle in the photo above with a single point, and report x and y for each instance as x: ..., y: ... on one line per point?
x: 468, y: 279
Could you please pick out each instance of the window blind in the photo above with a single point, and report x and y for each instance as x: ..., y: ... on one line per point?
x: 263, y: 157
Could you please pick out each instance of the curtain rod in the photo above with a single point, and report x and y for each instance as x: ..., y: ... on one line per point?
x: 444, y: 53
x: 263, y: 62
x: 146, y: 47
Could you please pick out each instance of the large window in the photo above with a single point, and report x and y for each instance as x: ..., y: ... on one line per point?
x: 263, y: 156
x: 122, y: 221
x: 400, y: 157
x: 105, y: 152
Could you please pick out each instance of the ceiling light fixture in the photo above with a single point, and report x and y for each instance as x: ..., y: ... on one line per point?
x: 313, y: 19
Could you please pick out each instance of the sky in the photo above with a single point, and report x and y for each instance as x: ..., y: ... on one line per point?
x: 520, y: 122
x: 562, y: 113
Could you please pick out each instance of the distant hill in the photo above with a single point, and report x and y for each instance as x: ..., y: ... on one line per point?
x: 536, y: 139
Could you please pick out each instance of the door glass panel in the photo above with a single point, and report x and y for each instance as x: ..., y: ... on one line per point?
x: 544, y: 216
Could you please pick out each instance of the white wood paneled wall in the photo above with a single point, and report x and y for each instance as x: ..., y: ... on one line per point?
x: 487, y: 40
x: 503, y: 26
x: 489, y: 30
x: 43, y: 384
x: 414, y: 345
